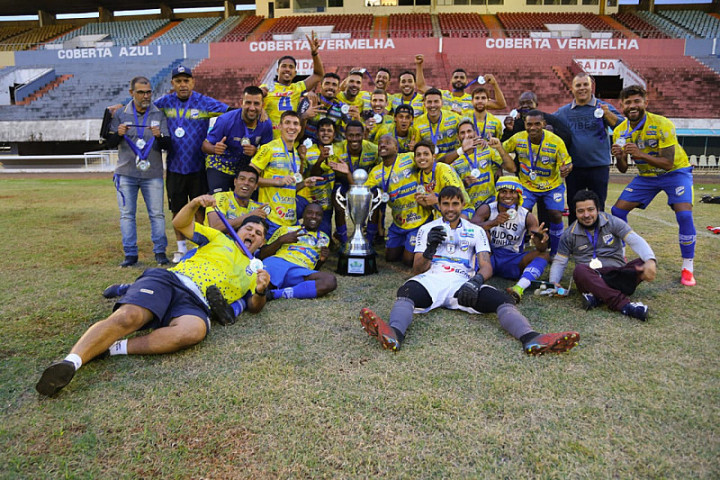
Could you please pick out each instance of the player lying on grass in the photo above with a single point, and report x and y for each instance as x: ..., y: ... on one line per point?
x: 172, y: 302
x: 446, y: 253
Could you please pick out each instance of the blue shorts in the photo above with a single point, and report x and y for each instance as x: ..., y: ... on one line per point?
x: 326, y: 224
x: 506, y: 263
x: 272, y: 226
x: 284, y: 274
x: 162, y: 292
x: 398, y: 237
x: 553, y: 199
x: 677, y: 185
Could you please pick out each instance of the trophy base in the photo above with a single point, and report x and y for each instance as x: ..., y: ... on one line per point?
x: 357, y: 265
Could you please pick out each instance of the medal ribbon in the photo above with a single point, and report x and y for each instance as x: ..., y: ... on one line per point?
x: 432, y: 179
x: 436, y: 134
x: 294, y: 161
x: 386, y: 184
x: 593, y: 240
x: 602, y: 131
x: 639, y: 126
x: 477, y: 129
x: 140, y: 128
x: 473, y: 164
x: 533, y: 160
x: 181, y: 115
x: 233, y: 234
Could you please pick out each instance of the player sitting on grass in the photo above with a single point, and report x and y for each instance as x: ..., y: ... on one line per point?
x: 172, y: 302
x: 601, y: 273
x: 507, y: 221
x: 446, y: 253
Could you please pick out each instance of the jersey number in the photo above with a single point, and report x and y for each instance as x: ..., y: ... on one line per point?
x: 284, y: 104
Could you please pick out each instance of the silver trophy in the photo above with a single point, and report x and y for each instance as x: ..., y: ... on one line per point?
x: 358, y: 256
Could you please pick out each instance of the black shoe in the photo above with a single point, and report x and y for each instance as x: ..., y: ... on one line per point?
x: 162, y: 259
x: 55, y: 377
x: 129, y: 261
x: 269, y: 295
x: 117, y: 290
x: 220, y: 310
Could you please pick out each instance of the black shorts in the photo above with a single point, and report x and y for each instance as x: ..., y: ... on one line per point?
x: 181, y: 188
x: 162, y: 292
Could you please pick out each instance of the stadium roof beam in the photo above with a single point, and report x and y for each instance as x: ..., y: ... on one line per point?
x: 53, y: 7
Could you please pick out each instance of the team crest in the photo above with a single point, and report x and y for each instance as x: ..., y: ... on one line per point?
x: 413, y: 239
x: 641, y: 144
x: 464, y: 245
x: 679, y: 191
x: 194, y: 113
x: 608, y: 239
x: 557, y: 197
x: 450, y: 248
x: 483, y: 164
x: 652, y: 143
x: 545, y: 159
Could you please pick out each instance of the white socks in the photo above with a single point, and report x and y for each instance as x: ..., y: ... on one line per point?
x: 523, y: 283
x: 118, y: 348
x: 182, y: 246
x: 75, y: 360
x: 688, y: 264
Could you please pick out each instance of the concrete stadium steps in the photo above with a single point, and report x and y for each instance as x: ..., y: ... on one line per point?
x: 359, y: 25
x: 614, y: 24
x: 42, y: 91
x: 160, y: 32
x: 495, y: 28
x: 187, y: 31
x: 122, y: 33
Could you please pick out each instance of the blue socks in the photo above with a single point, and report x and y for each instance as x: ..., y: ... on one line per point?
x: 687, y: 233
x: 534, y: 269
x: 621, y: 214
x: 305, y: 289
x: 555, y: 231
x: 238, y: 306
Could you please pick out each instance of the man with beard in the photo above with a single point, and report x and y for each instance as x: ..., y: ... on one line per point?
x: 402, y: 129
x: 542, y: 169
x: 236, y: 205
x: 188, y: 116
x: 377, y: 116
x: 457, y: 100
x: 351, y: 95
x: 313, y: 108
x: 595, y: 241
x: 408, y: 94
x: 662, y: 165
x: 446, y: 253
x: 234, y: 140
x: 294, y: 256
x: 171, y: 302
x: 588, y: 120
x: 437, y: 125
x: 485, y: 124
x: 284, y: 95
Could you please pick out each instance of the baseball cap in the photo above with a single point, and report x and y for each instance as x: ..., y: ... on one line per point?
x: 181, y: 70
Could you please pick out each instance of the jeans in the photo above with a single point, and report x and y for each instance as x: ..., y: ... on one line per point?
x: 153, y: 192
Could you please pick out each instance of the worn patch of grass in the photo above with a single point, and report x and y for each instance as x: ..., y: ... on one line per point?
x: 301, y: 391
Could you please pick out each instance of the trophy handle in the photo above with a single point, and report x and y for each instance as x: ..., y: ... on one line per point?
x: 375, y: 202
x: 341, y: 200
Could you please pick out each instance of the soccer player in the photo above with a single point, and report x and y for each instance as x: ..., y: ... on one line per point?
x: 402, y: 129
x: 542, y: 170
x: 457, y: 100
x: 477, y: 162
x: 433, y: 177
x: 284, y: 95
x: 319, y: 159
x: 486, y: 124
x: 397, y: 178
x: 313, y: 108
x: 351, y: 94
x: 294, y: 256
x: 382, y: 79
x: 171, y: 302
x: 188, y: 116
x: 234, y: 140
x: 378, y: 111
x: 237, y: 205
x: 595, y: 241
x: 408, y: 94
x: 588, y: 120
x: 280, y: 170
x: 446, y: 253
x: 662, y: 165
x: 438, y: 126
x: 506, y: 221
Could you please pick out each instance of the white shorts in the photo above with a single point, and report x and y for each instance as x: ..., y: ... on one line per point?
x: 442, y: 288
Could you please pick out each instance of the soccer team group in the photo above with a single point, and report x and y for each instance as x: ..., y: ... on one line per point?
x: 253, y: 200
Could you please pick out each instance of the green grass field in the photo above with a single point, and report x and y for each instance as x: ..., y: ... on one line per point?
x: 301, y: 391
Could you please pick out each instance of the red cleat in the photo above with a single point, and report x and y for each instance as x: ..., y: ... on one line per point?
x: 687, y: 278
x: 375, y: 327
x: 552, y: 343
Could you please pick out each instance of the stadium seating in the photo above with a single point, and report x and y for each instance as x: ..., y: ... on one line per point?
x: 31, y: 38
x: 11, y: 31
x: 638, y: 25
x: 664, y: 25
x: 122, y: 33
x: 243, y: 29
x: 463, y: 25
x: 410, y: 25
x: 359, y: 26
x: 698, y: 23
x: 711, y: 61
x: 521, y: 24
x: 186, y: 31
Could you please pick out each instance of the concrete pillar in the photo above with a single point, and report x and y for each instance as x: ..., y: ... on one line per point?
x: 46, y: 18
x: 166, y: 11
x: 106, y: 15
x: 229, y: 9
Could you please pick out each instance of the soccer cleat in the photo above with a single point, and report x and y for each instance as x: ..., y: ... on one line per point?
x: 117, y: 290
x: 375, y: 327
x: 590, y: 301
x: 551, y: 343
x: 129, y: 261
x: 687, y: 278
x: 516, y: 292
x: 161, y: 259
x: 220, y: 309
x: 178, y: 256
x: 636, y: 310
x: 55, y: 377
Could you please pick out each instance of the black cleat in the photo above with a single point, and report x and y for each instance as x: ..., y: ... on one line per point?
x: 162, y: 259
x: 220, y: 310
x: 55, y: 377
x: 117, y: 290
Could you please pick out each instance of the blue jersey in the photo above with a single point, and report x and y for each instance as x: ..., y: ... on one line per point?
x: 232, y: 126
x: 188, y: 122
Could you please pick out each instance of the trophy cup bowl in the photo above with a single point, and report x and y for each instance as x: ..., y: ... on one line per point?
x: 358, y: 257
